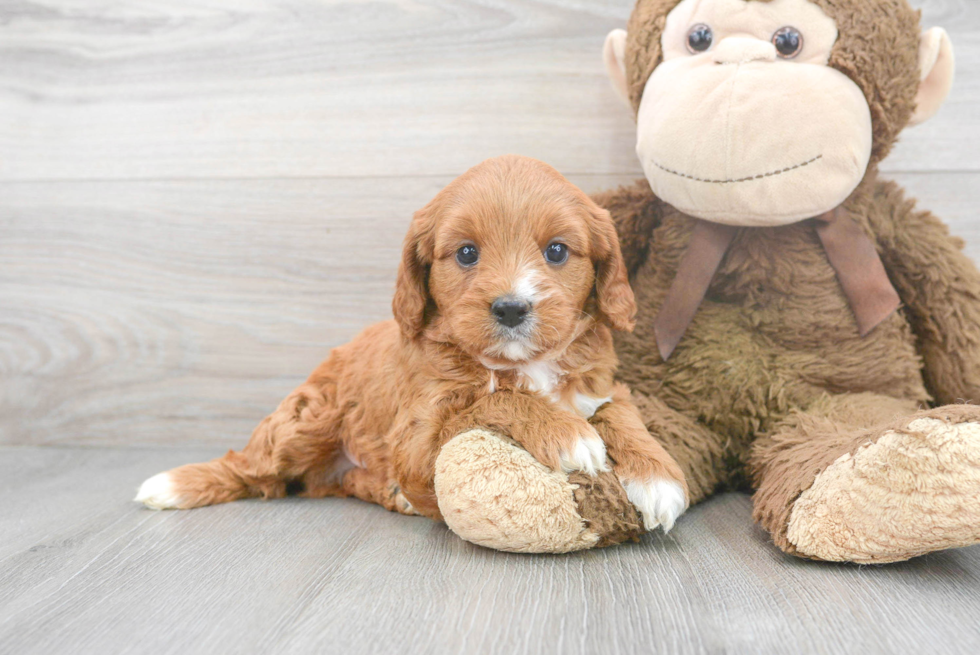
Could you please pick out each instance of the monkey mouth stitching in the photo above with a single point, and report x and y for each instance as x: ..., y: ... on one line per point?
x: 761, y: 176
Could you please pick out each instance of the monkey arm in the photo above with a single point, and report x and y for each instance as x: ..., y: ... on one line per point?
x: 940, y: 287
x: 636, y: 211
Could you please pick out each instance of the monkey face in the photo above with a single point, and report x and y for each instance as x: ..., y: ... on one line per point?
x: 743, y: 122
x: 732, y: 130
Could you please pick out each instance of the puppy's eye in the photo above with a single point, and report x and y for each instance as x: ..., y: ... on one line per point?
x: 699, y: 38
x: 467, y: 256
x: 556, y: 253
x: 788, y: 42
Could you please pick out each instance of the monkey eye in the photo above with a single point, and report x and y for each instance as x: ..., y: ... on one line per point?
x: 699, y: 38
x: 467, y: 255
x: 788, y: 42
x: 556, y: 253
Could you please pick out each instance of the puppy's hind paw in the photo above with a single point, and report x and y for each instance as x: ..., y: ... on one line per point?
x: 588, y: 454
x: 659, y: 500
x: 399, y: 502
x: 158, y: 493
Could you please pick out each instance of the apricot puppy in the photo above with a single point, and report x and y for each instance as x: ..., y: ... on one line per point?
x: 509, y: 283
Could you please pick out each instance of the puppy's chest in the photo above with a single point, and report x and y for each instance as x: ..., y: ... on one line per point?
x: 547, y: 380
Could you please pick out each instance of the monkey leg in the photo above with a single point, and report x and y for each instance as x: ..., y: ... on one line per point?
x: 869, y: 479
x: 700, y: 452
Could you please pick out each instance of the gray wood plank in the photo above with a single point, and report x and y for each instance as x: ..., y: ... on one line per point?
x: 171, y: 89
x: 342, y: 576
x: 138, y: 313
x: 186, y: 300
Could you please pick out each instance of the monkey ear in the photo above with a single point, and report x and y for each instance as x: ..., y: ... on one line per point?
x: 614, y: 56
x: 614, y: 296
x: 412, y: 284
x: 936, y: 67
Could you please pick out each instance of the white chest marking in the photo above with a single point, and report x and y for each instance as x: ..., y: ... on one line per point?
x: 541, y: 377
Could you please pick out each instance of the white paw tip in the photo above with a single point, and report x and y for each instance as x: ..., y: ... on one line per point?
x: 588, y: 455
x: 158, y: 493
x: 659, y: 501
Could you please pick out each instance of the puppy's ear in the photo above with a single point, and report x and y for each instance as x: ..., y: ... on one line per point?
x: 613, y: 293
x: 412, y: 285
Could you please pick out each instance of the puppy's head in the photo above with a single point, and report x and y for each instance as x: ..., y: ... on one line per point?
x: 511, y: 262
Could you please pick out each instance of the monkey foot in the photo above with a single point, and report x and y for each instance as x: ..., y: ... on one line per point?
x: 493, y: 493
x: 911, y: 491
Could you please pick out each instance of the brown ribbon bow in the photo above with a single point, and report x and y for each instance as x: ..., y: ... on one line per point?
x: 850, y: 251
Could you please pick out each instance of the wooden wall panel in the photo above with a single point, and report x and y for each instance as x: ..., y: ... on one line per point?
x: 257, y: 89
x: 181, y: 312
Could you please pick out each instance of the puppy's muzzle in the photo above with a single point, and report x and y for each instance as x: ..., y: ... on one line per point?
x: 509, y: 311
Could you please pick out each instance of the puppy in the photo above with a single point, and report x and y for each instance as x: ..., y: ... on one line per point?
x: 509, y: 283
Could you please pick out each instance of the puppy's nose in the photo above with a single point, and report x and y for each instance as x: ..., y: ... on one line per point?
x: 510, y: 312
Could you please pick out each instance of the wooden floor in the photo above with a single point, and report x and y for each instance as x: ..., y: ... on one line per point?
x: 85, y: 571
x: 199, y: 199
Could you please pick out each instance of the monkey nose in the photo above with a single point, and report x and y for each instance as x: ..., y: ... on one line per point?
x: 509, y: 311
x: 742, y: 50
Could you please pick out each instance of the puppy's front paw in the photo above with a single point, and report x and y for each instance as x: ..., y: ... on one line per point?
x: 158, y: 492
x: 587, y: 453
x: 659, y: 500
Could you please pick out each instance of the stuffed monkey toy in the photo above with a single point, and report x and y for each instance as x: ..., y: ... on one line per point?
x: 800, y: 322
x: 803, y: 330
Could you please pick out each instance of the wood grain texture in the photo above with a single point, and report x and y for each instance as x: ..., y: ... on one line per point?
x: 83, y: 570
x: 182, y: 312
x: 199, y: 199
x: 252, y: 88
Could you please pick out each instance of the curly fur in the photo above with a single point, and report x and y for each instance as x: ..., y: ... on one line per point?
x: 371, y: 419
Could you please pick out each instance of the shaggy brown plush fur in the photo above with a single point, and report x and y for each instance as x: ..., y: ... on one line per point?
x: 772, y: 379
x: 605, y: 508
x: 775, y: 336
